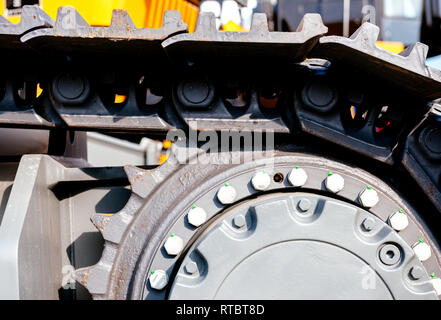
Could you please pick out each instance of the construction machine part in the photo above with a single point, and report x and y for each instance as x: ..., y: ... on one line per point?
x: 159, y: 237
x: 32, y: 17
x: 73, y: 34
x: 45, y: 231
x: 422, y: 157
x: 208, y: 42
x: 323, y: 247
x: 361, y: 52
x: 364, y: 104
x: 145, y: 13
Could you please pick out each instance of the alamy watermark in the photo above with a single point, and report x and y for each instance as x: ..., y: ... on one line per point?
x: 223, y: 147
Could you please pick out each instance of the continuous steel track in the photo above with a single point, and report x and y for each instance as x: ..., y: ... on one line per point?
x: 346, y: 91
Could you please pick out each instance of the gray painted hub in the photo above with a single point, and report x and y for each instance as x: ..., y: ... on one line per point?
x: 239, y: 177
x: 285, y: 253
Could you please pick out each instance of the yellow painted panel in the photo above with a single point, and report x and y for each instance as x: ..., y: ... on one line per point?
x: 144, y: 13
x: 395, y: 47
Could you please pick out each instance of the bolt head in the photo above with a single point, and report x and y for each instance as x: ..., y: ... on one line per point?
x: 422, y: 250
x: 335, y: 183
x: 226, y: 194
x: 304, y: 205
x: 239, y: 221
x: 261, y: 181
x: 297, y: 177
x: 197, y: 216
x: 398, y: 221
x: 390, y: 254
x: 158, y: 280
x: 191, y: 267
x: 416, y: 273
x: 174, y: 245
x: 368, y: 198
x: 436, y: 285
x: 368, y: 224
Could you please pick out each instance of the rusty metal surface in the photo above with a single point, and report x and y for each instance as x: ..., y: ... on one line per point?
x: 406, y: 70
x: 79, y: 93
x: 32, y: 17
x: 72, y: 33
x: 207, y: 42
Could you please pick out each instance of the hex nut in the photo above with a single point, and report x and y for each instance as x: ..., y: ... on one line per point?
x: 226, y: 194
x: 239, y: 221
x: 191, y: 267
x: 304, y: 205
x: 334, y: 182
x: 368, y: 224
x: 196, y: 216
x: 158, y: 279
x: 399, y: 221
x: 422, y: 250
x: 297, y: 177
x: 174, y: 245
x: 436, y: 285
x: 368, y: 197
x: 261, y: 181
x: 416, y: 273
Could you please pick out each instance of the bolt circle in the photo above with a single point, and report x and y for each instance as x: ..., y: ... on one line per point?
x: 174, y: 245
x: 390, y: 254
x: 436, y: 285
x: 368, y: 197
x: 226, y: 194
x: 398, y: 221
x: 158, y: 279
x: 261, y: 181
x: 196, y: 216
x: 298, y: 177
x: 334, y: 183
x: 422, y: 250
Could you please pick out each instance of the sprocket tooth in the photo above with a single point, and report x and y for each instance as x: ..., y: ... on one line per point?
x: 173, y: 20
x: 312, y: 22
x: 32, y: 18
x: 206, y: 24
x: 367, y: 33
x: 207, y: 41
x: 407, y: 70
x: 96, y: 277
x: 101, y: 220
x: 416, y: 53
x: 113, y: 226
x: 259, y: 23
x: 143, y: 182
x: 121, y: 19
x: 68, y: 19
x: 35, y: 16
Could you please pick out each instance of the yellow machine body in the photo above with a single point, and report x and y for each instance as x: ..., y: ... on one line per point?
x: 144, y: 13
